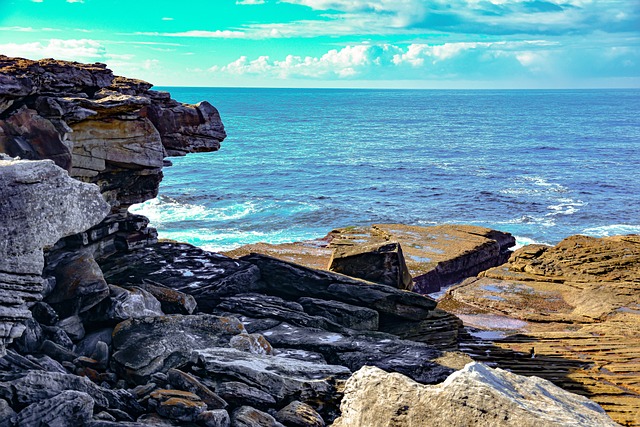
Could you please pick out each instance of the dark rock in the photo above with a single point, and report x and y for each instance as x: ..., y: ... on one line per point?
x: 48, y: 364
x: 140, y: 391
x: 148, y: 345
x: 101, y: 354
x: 215, y: 418
x: 58, y: 336
x: 171, y: 300
x: 123, y: 304
x: 347, y: 315
x: 251, y: 343
x: 380, y: 263
x: 57, y: 352
x: 271, y: 307
x: 186, y: 382
x: 35, y: 386
x: 282, y: 378
x: 293, y: 281
x: 44, y: 313
x: 79, y: 286
x: 441, y: 329
x: 177, y: 404
x: 73, y: 327
x: 185, y: 268
x: 247, y: 416
x: 298, y: 414
x: 7, y: 415
x: 31, y: 339
x: 88, y: 345
x: 386, y: 351
x: 239, y: 394
x: 68, y: 408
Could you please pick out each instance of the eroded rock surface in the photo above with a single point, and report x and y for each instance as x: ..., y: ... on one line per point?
x: 40, y: 205
x: 474, y: 396
x: 574, y: 307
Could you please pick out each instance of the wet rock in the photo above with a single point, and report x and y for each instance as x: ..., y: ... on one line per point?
x: 185, y: 268
x: 347, y: 315
x: 240, y: 394
x: 441, y: 330
x: 67, y: 409
x: 216, y: 418
x: 282, y: 378
x: 186, y: 382
x: 148, y: 345
x: 380, y: 263
x: 476, y: 395
x: 247, y: 416
x: 294, y: 281
x: 40, y: 205
x: 79, y: 286
x: 299, y: 414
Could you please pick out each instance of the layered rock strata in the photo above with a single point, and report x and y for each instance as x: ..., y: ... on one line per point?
x: 28, y: 191
x: 435, y: 256
x: 128, y: 331
x: 568, y: 313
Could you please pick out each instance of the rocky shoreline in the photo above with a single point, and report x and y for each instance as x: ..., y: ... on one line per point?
x: 101, y: 324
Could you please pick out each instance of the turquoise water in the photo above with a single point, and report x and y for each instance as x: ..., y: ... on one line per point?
x: 298, y: 162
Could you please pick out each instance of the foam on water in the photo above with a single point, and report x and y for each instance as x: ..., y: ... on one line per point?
x: 541, y: 165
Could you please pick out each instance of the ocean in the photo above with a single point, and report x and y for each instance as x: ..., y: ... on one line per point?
x: 540, y: 164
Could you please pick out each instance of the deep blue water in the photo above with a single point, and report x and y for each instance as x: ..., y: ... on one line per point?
x: 298, y: 162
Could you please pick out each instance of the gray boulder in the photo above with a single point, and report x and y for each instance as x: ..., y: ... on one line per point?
x: 67, y: 409
x: 474, y: 396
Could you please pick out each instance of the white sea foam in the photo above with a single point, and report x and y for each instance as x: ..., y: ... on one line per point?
x: 524, y: 241
x: 612, y: 230
x: 565, y: 206
x: 160, y: 211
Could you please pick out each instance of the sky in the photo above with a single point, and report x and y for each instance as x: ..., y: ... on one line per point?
x: 338, y: 43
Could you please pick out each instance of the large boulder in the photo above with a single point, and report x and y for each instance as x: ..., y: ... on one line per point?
x: 379, y: 263
x: 474, y: 396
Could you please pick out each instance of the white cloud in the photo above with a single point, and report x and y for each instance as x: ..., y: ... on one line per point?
x: 75, y: 1
x: 416, y: 60
x: 217, y: 34
x: 347, y: 62
x: 167, y: 19
x: 80, y: 50
x: 249, y: 1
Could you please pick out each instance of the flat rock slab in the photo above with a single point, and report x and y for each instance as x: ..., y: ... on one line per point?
x: 147, y: 345
x: 356, y: 350
x: 476, y: 395
x: 183, y: 267
x: 283, y: 378
x: 292, y: 281
x: 574, y: 307
x: 436, y: 256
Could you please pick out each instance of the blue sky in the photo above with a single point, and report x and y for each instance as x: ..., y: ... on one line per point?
x: 338, y: 43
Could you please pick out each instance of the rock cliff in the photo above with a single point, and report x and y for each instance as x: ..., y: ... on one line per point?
x: 112, y: 327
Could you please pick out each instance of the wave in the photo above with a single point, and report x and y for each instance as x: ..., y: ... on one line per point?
x: 565, y: 206
x: 163, y: 210
x: 612, y: 230
x: 522, y: 241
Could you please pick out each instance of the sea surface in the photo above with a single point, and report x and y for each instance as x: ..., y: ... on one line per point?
x: 541, y: 164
